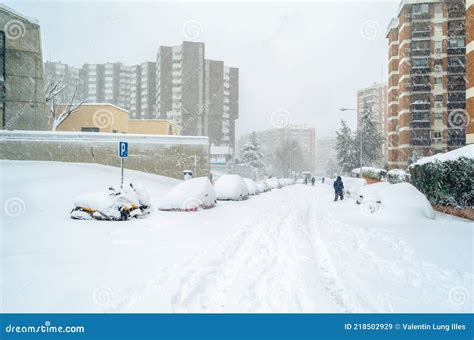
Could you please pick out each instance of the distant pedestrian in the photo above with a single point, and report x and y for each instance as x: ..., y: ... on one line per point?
x: 338, y: 189
x: 322, y: 180
x: 313, y: 180
x: 306, y: 181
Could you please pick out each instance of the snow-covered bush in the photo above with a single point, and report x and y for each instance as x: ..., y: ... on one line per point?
x: 370, y: 172
x: 395, y: 176
x: 252, y: 188
x: 190, y: 195
x: 446, y: 183
x: 231, y: 187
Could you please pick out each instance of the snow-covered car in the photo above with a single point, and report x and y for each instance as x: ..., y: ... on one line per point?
x: 274, y: 183
x: 283, y: 182
x: 300, y: 181
x: 131, y: 201
x: 370, y: 192
x: 252, y: 188
x: 263, y: 186
x: 395, y: 200
x: 231, y: 188
x: 190, y: 195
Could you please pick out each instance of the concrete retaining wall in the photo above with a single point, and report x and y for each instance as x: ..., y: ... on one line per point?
x: 162, y: 155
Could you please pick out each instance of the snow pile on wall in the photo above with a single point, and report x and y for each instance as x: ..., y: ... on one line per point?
x: 231, y: 187
x: 466, y: 152
x: 193, y: 194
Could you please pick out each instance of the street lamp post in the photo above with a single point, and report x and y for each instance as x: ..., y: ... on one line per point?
x: 361, y: 139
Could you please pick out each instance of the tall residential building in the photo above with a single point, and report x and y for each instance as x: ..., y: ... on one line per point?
x: 326, y: 156
x: 426, y: 86
x: 202, y: 96
x: 214, y: 101
x: 143, y: 91
x: 117, y: 84
x: 375, y: 98
x: 186, y: 70
x: 69, y: 75
x: 92, y: 77
x: 164, y: 81
x: 470, y: 69
x: 231, y: 78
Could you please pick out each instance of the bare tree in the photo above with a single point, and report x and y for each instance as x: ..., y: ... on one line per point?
x: 60, y: 111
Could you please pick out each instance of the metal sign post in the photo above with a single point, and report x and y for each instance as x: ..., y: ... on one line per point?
x: 122, y: 153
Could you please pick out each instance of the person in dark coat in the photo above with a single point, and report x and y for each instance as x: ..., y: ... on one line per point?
x: 313, y: 180
x: 322, y: 180
x: 338, y: 189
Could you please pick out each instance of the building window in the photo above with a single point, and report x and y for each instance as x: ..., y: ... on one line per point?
x: 2, y: 77
x: 89, y: 129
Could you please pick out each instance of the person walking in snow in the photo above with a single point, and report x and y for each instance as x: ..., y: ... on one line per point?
x: 322, y: 180
x: 313, y: 180
x: 338, y: 189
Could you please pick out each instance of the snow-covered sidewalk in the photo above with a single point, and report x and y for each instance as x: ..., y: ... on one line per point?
x: 289, y: 250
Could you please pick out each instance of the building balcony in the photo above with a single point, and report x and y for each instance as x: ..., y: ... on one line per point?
x: 458, y: 69
x: 456, y: 51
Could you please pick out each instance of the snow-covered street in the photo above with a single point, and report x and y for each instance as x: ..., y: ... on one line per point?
x: 288, y: 250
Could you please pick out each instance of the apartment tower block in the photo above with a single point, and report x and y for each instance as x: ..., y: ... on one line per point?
x: 426, y: 81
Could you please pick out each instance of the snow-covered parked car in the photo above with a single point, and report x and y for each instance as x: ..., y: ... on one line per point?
x: 252, y: 188
x: 131, y: 201
x: 190, y: 195
x: 395, y: 200
x: 283, y: 182
x: 274, y: 183
x: 231, y: 188
x: 263, y: 186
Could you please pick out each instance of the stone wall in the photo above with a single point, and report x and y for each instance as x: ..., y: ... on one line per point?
x: 25, y: 107
x: 162, y: 155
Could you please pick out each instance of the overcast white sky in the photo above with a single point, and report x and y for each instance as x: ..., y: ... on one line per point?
x: 306, y: 58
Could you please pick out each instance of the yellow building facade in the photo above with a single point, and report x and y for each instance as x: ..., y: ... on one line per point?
x: 104, y: 117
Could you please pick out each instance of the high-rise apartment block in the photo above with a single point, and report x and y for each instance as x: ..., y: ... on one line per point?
x: 427, y: 79
x: 143, y: 91
x: 202, y: 96
x: 374, y: 98
x: 470, y: 71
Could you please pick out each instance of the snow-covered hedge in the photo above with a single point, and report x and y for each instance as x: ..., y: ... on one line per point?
x: 370, y: 172
x: 446, y: 179
x: 395, y: 176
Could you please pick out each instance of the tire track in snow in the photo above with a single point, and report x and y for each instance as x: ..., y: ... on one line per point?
x: 268, y: 265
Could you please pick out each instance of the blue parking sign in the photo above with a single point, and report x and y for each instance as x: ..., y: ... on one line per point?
x: 123, y: 149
